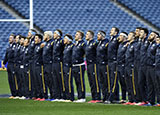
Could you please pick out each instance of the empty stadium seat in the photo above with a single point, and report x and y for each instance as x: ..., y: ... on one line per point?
x: 148, y: 9
x: 72, y: 15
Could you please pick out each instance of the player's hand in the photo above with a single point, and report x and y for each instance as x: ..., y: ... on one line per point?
x: 118, y: 38
x: 3, y: 66
x: 42, y: 45
x: 127, y: 44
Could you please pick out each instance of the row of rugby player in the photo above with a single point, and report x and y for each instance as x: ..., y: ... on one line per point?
x: 37, y: 63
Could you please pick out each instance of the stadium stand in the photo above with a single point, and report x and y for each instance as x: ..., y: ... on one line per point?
x: 148, y: 9
x: 69, y: 16
x: 5, y: 15
x: 72, y: 15
x: 7, y: 28
x: 21, y: 6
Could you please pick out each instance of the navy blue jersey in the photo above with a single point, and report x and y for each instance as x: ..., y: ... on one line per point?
x: 58, y: 47
x: 121, y: 53
x: 47, y: 52
x: 112, y: 49
x: 31, y: 49
x: 78, y: 52
x: 137, y: 50
x: 67, y: 54
x: 38, y: 54
x: 26, y: 56
x: 151, y: 52
x: 129, y: 55
x: 157, y: 57
x: 102, y: 52
x: 90, y: 51
x: 9, y: 56
x: 19, y: 54
x: 143, y: 52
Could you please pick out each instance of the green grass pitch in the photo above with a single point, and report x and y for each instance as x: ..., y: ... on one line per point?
x: 26, y: 107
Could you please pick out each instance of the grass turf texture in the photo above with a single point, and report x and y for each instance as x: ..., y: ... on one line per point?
x: 25, y: 107
x: 4, y: 86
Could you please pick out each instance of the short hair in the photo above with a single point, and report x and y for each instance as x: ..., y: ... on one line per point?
x: 33, y: 30
x: 102, y: 32
x: 60, y: 31
x: 145, y: 30
x: 49, y: 33
x: 22, y: 37
x: 132, y: 32
x: 125, y: 33
x: 139, y: 28
x: 68, y: 35
x: 156, y: 33
x: 82, y: 34
x: 13, y: 35
x: 116, y: 29
x: 18, y: 35
x: 158, y: 37
x: 92, y: 33
x: 39, y: 36
x: 27, y: 39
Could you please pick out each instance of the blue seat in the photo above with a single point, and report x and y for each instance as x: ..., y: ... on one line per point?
x: 73, y: 15
x: 7, y: 28
x: 149, y: 9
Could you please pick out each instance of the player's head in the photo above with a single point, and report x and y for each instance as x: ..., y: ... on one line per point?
x: 31, y: 33
x: 26, y: 42
x: 67, y: 39
x: 22, y: 38
x: 11, y: 38
x: 131, y: 36
x: 89, y: 35
x: 137, y: 31
x: 122, y: 37
x: 57, y: 34
x: 153, y: 35
x: 158, y: 39
x: 38, y: 38
x: 17, y: 39
x: 47, y: 35
x: 79, y: 35
x: 114, y: 31
x: 101, y: 35
x: 143, y: 33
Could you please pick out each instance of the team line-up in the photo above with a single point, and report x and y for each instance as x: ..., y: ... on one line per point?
x: 130, y: 61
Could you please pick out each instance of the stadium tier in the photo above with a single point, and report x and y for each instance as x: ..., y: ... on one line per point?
x: 149, y: 9
x: 8, y: 27
x: 21, y: 6
x: 72, y: 15
x: 5, y: 15
x: 69, y: 16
